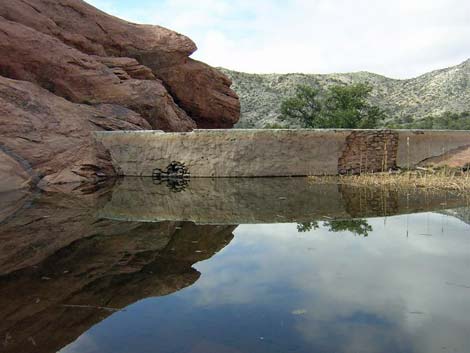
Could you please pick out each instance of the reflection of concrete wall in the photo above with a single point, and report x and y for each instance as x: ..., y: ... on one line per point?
x: 237, y: 153
x: 263, y: 200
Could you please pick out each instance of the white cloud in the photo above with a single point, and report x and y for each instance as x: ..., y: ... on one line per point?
x: 400, y: 38
x: 397, y: 275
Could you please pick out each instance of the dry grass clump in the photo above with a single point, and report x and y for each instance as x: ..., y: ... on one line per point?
x: 429, y: 179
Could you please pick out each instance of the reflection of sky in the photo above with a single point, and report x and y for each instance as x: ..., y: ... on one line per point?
x: 402, y: 289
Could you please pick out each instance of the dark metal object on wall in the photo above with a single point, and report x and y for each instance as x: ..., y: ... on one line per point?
x: 176, y: 175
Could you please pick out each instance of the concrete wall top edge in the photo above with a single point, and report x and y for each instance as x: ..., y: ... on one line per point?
x: 124, y: 132
x: 275, y: 131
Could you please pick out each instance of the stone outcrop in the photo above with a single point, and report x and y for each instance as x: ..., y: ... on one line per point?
x: 53, y: 135
x: 15, y: 175
x: 211, y: 103
x: 129, y: 76
x: 91, y: 31
x: 203, y: 92
x: 81, y: 78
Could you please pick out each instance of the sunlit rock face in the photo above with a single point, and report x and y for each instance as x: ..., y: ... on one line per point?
x: 88, y: 58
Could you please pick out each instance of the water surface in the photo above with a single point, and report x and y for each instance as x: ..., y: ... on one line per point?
x: 275, y: 265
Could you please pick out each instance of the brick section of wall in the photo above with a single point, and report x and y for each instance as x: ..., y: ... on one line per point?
x: 369, y: 151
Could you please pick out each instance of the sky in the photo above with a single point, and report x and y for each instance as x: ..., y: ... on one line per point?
x: 395, y: 38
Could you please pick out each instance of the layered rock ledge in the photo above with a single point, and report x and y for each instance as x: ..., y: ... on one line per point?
x: 68, y: 69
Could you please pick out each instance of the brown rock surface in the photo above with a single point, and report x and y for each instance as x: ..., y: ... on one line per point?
x: 92, y: 31
x: 81, y: 54
x: 202, y: 91
x: 81, y: 78
x: 53, y: 134
x: 12, y: 201
x: 126, y: 68
x: 208, y: 99
x: 13, y: 174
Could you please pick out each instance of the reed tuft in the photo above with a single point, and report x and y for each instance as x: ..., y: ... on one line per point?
x: 443, y: 179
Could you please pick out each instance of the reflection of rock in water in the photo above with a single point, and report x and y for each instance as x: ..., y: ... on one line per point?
x: 265, y: 200
x: 64, y: 271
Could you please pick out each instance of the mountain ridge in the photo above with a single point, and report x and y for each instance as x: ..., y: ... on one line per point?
x: 412, y: 99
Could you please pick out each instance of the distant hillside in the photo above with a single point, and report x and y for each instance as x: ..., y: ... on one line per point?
x: 430, y: 94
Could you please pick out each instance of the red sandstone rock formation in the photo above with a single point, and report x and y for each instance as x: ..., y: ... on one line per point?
x: 53, y: 135
x: 209, y: 100
x: 111, y: 74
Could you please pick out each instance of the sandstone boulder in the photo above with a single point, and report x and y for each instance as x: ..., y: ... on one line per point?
x: 109, y: 74
x: 208, y: 100
x: 33, y: 56
x: 54, y: 135
x: 92, y: 31
x: 13, y: 174
x: 199, y: 89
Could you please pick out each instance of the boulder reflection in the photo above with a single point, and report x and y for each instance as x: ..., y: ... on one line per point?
x: 63, y: 270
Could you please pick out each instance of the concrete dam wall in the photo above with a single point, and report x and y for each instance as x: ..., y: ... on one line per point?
x: 265, y: 153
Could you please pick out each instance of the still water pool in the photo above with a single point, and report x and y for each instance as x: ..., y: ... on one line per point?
x: 232, y: 266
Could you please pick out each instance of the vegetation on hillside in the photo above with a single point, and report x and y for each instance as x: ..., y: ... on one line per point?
x: 429, y: 95
x: 338, y: 107
x: 445, y: 121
